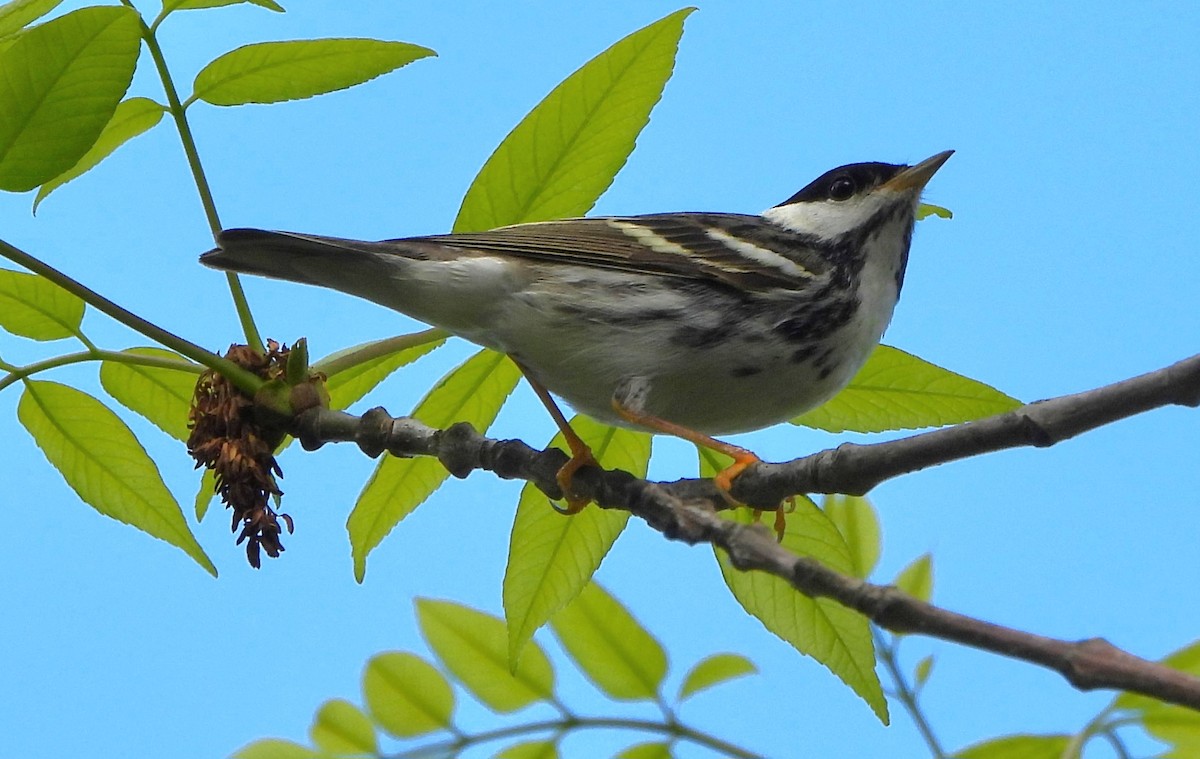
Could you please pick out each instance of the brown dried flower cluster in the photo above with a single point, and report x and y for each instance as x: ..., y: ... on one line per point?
x: 228, y: 438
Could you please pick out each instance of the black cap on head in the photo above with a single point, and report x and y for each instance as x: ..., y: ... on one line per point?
x: 845, y: 182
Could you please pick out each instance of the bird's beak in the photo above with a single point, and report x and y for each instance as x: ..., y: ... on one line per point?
x: 916, y: 177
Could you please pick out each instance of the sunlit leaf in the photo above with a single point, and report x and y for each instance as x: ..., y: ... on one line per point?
x: 1018, y: 747
x: 1178, y: 726
x: 473, y: 392
x: 715, y: 670
x: 898, y: 391
x: 60, y: 83
x: 608, y: 645
x: 205, y: 493
x: 565, y: 153
x: 837, y: 637
x: 552, y: 557
x: 132, y: 117
x: 104, y: 463
x: 18, y: 14
x: 163, y: 396
x: 348, y: 386
x: 34, y: 307
x: 340, y: 727
x: 190, y: 5
x: 855, y: 518
x: 654, y: 750
x: 923, y: 670
x: 271, y: 72
x: 925, y: 210
x: 407, y: 695
x: 274, y: 748
x: 917, y: 578
x: 473, y: 646
x: 530, y: 750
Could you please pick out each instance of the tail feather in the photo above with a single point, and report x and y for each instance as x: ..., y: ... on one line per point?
x: 405, y: 275
x: 288, y: 255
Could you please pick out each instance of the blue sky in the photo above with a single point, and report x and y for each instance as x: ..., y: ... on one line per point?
x: 1071, y: 262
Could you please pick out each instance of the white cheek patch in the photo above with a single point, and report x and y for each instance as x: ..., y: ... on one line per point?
x: 651, y: 239
x: 763, y: 256
x: 829, y: 219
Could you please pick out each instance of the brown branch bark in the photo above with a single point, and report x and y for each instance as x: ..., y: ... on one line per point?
x: 687, y: 509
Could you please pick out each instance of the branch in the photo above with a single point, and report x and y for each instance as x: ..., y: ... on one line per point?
x: 855, y: 469
x: 686, y: 510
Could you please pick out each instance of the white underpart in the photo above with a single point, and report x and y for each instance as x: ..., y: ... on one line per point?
x: 650, y: 238
x: 768, y: 258
x: 830, y: 219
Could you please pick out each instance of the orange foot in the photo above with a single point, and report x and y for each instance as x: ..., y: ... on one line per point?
x: 742, y: 458
x: 581, y: 454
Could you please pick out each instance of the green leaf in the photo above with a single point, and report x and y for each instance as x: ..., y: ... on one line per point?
x: 473, y: 392
x: 407, y: 695
x: 917, y: 578
x: 348, y: 386
x: 60, y: 83
x: 272, y: 72
x: 923, y: 670
x: 837, y: 637
x: 170, y: 6
x: 104, y: 463
x: 206, y: 493
x: 34, y: 307
x: 925, y: 210
x: 1176, y: 725
x: 530, y: 750
x: 340, y: 727
x: 274, y: 748
x: 609, y: 646
x: 654, y: 750
x: 132, y: 117
x: 163, y: 396
x: 18, y: 14
x: 1018, y: 747
x: 473, y: 646
x: 565, y: 153
x: 552, y: 557
x: 714, y: 670
x: 898, y: 391
x: 855, y: 519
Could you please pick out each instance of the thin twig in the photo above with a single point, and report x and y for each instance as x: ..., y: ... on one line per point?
x: 686, y: 510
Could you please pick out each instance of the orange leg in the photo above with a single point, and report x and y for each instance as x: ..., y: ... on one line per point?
x: 742, y: 458
x: 581, y: 454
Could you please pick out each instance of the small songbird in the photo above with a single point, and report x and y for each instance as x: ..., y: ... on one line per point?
x: 692, y: 324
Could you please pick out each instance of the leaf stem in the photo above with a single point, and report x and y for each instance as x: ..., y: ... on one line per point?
x: 19, y: 373
x: 906, y: 695
x: 179, y: 114
x: 560, y: 726
x: 335, y: 363
x: 244, y: 380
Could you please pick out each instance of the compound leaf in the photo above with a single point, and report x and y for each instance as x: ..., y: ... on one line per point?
x: 898, y: 391
x: 407, y: 695
x: 473, y: 392
x: 474, y: 648
x: 104, y: 463
x: 566, y: 151
x: 616, y: 653
x: 60, y: 83
x: 551, y: 559
x: 272, y: 72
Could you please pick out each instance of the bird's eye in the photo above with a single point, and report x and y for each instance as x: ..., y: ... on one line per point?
x: 841, y: 188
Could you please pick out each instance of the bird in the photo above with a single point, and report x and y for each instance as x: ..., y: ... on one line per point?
x: 692, y: 324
